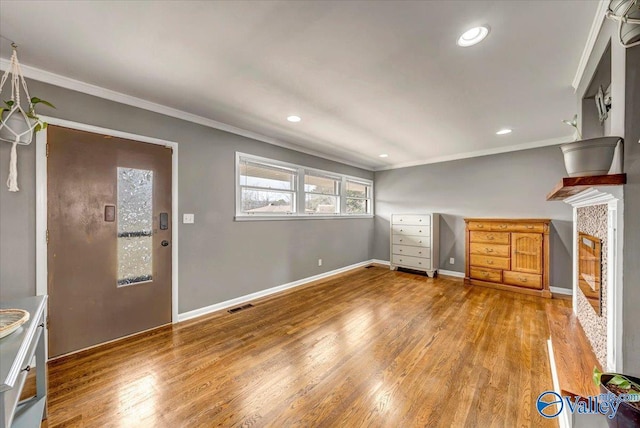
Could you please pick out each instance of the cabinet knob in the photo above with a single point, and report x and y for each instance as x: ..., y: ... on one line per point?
x: 420, y: 220
x: 490, y: 262
x: 490, y: 237
x: 522, y: 279
x: 529, y: 226
x: 420, y: 231
x: 489, y: 250
x: 400, y: 250
x: 503, y: 226
x: 419, y: 263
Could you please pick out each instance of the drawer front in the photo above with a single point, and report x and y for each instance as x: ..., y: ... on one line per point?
x: 490, y: 250
x: 492, y: 226
x: 484, y: 274
x: 489, y: 237
x: 526, y: 227
x: 528, y: 280
x: 415, y: 241
x: 400, y: 229
x: 405, y: 250
x: 411, y: 219
x: 490, y: 262
x: 414, y: 262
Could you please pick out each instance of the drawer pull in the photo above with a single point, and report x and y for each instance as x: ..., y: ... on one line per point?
x: 485, y: 274
x: 522, y: 279
x: 400, y: 240
x: 489, y: 262
x: 480, y: 226
x: 26, y: 369
x: 529, y: 226
x: 400, y: 250
x: 400, y: 259
x: 420, y: 220
x: 503, y: 226
x: 489, y: 250
x: 419, y: 263
x: 401, y: 230
x: 420, y: 231
x: 419, y: 252
x: 490, y: 237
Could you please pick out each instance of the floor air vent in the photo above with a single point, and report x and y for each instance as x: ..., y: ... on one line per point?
x: 369, y: 267
x: 240, y: 308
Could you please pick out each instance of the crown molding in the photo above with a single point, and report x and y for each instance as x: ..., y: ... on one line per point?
x: 119, y: 97
x: 486, y: 152
x: 596, y: 25
x: 589, y: 197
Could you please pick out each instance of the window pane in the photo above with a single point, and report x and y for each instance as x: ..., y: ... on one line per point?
x: 357, y: 206
x: 135, y: 225
x: 358, y: 190
x: 319, y: 184
x: 321, y: 204
x: 267, y: 176
x: 265, y: 201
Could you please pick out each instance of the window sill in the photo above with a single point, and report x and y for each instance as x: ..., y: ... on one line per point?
x: 299, y: 217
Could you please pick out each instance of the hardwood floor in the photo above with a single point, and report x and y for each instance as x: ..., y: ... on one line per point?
x: 370, y: 348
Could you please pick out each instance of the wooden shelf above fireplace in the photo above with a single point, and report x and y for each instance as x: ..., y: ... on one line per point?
x: 570, y: 186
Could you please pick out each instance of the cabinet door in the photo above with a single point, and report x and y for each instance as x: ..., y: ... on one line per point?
x: 526, y: 252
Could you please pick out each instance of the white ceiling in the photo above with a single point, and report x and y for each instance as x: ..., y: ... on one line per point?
x: 366, y: 77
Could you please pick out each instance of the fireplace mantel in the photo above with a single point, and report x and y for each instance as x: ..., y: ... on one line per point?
x: 612, y: 197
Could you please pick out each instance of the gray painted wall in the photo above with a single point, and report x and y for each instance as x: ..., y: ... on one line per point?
x: 219, y: 258
x: 631, y: 270
x: 510, y: 185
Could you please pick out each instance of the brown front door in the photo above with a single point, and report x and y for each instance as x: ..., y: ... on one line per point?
x: 109, y: 238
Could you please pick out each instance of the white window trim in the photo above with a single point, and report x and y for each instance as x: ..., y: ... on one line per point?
x: 299, y: 193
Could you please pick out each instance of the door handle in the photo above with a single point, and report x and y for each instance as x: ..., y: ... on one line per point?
x: 164, y: 243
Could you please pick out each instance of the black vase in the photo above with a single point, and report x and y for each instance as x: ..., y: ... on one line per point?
x: 627, y: 415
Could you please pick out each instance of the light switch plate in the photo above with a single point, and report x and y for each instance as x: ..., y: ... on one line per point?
x: 188, y: 218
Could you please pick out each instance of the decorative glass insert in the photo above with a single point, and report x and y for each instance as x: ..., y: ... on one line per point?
x: 135, y: 225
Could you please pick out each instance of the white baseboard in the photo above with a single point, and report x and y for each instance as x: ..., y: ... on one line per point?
x: 561, y: 290
x: 246, y: 298
x: 380, y: 262
x: 451, y: 273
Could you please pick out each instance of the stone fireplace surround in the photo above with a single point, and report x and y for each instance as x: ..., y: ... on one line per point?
x: 598, y: 212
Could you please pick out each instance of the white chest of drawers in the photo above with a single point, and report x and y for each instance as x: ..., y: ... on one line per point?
x: 414, y: 242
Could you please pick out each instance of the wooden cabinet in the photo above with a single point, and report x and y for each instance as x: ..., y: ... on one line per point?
x: 508, y: 254
x: 414, y: 242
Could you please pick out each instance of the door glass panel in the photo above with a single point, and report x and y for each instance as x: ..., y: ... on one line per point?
x: 135, y: 225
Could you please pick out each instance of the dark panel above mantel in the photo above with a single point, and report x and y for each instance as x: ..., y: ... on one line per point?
x: 570, y: 186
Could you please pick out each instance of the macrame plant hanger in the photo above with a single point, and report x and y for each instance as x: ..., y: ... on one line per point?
x: 20, y: 130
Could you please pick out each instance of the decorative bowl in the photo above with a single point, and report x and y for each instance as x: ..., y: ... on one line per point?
x: 11, y: 320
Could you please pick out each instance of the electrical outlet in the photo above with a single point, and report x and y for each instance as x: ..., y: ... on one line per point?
x: 188, y: 218
x: 452, y: 261
x: 319, y: 262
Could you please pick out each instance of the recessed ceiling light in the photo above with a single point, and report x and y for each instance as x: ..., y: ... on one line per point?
x: 294, y: 119
x: 504, y: 131
x: 384, y: 155
x: 473, y: 36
